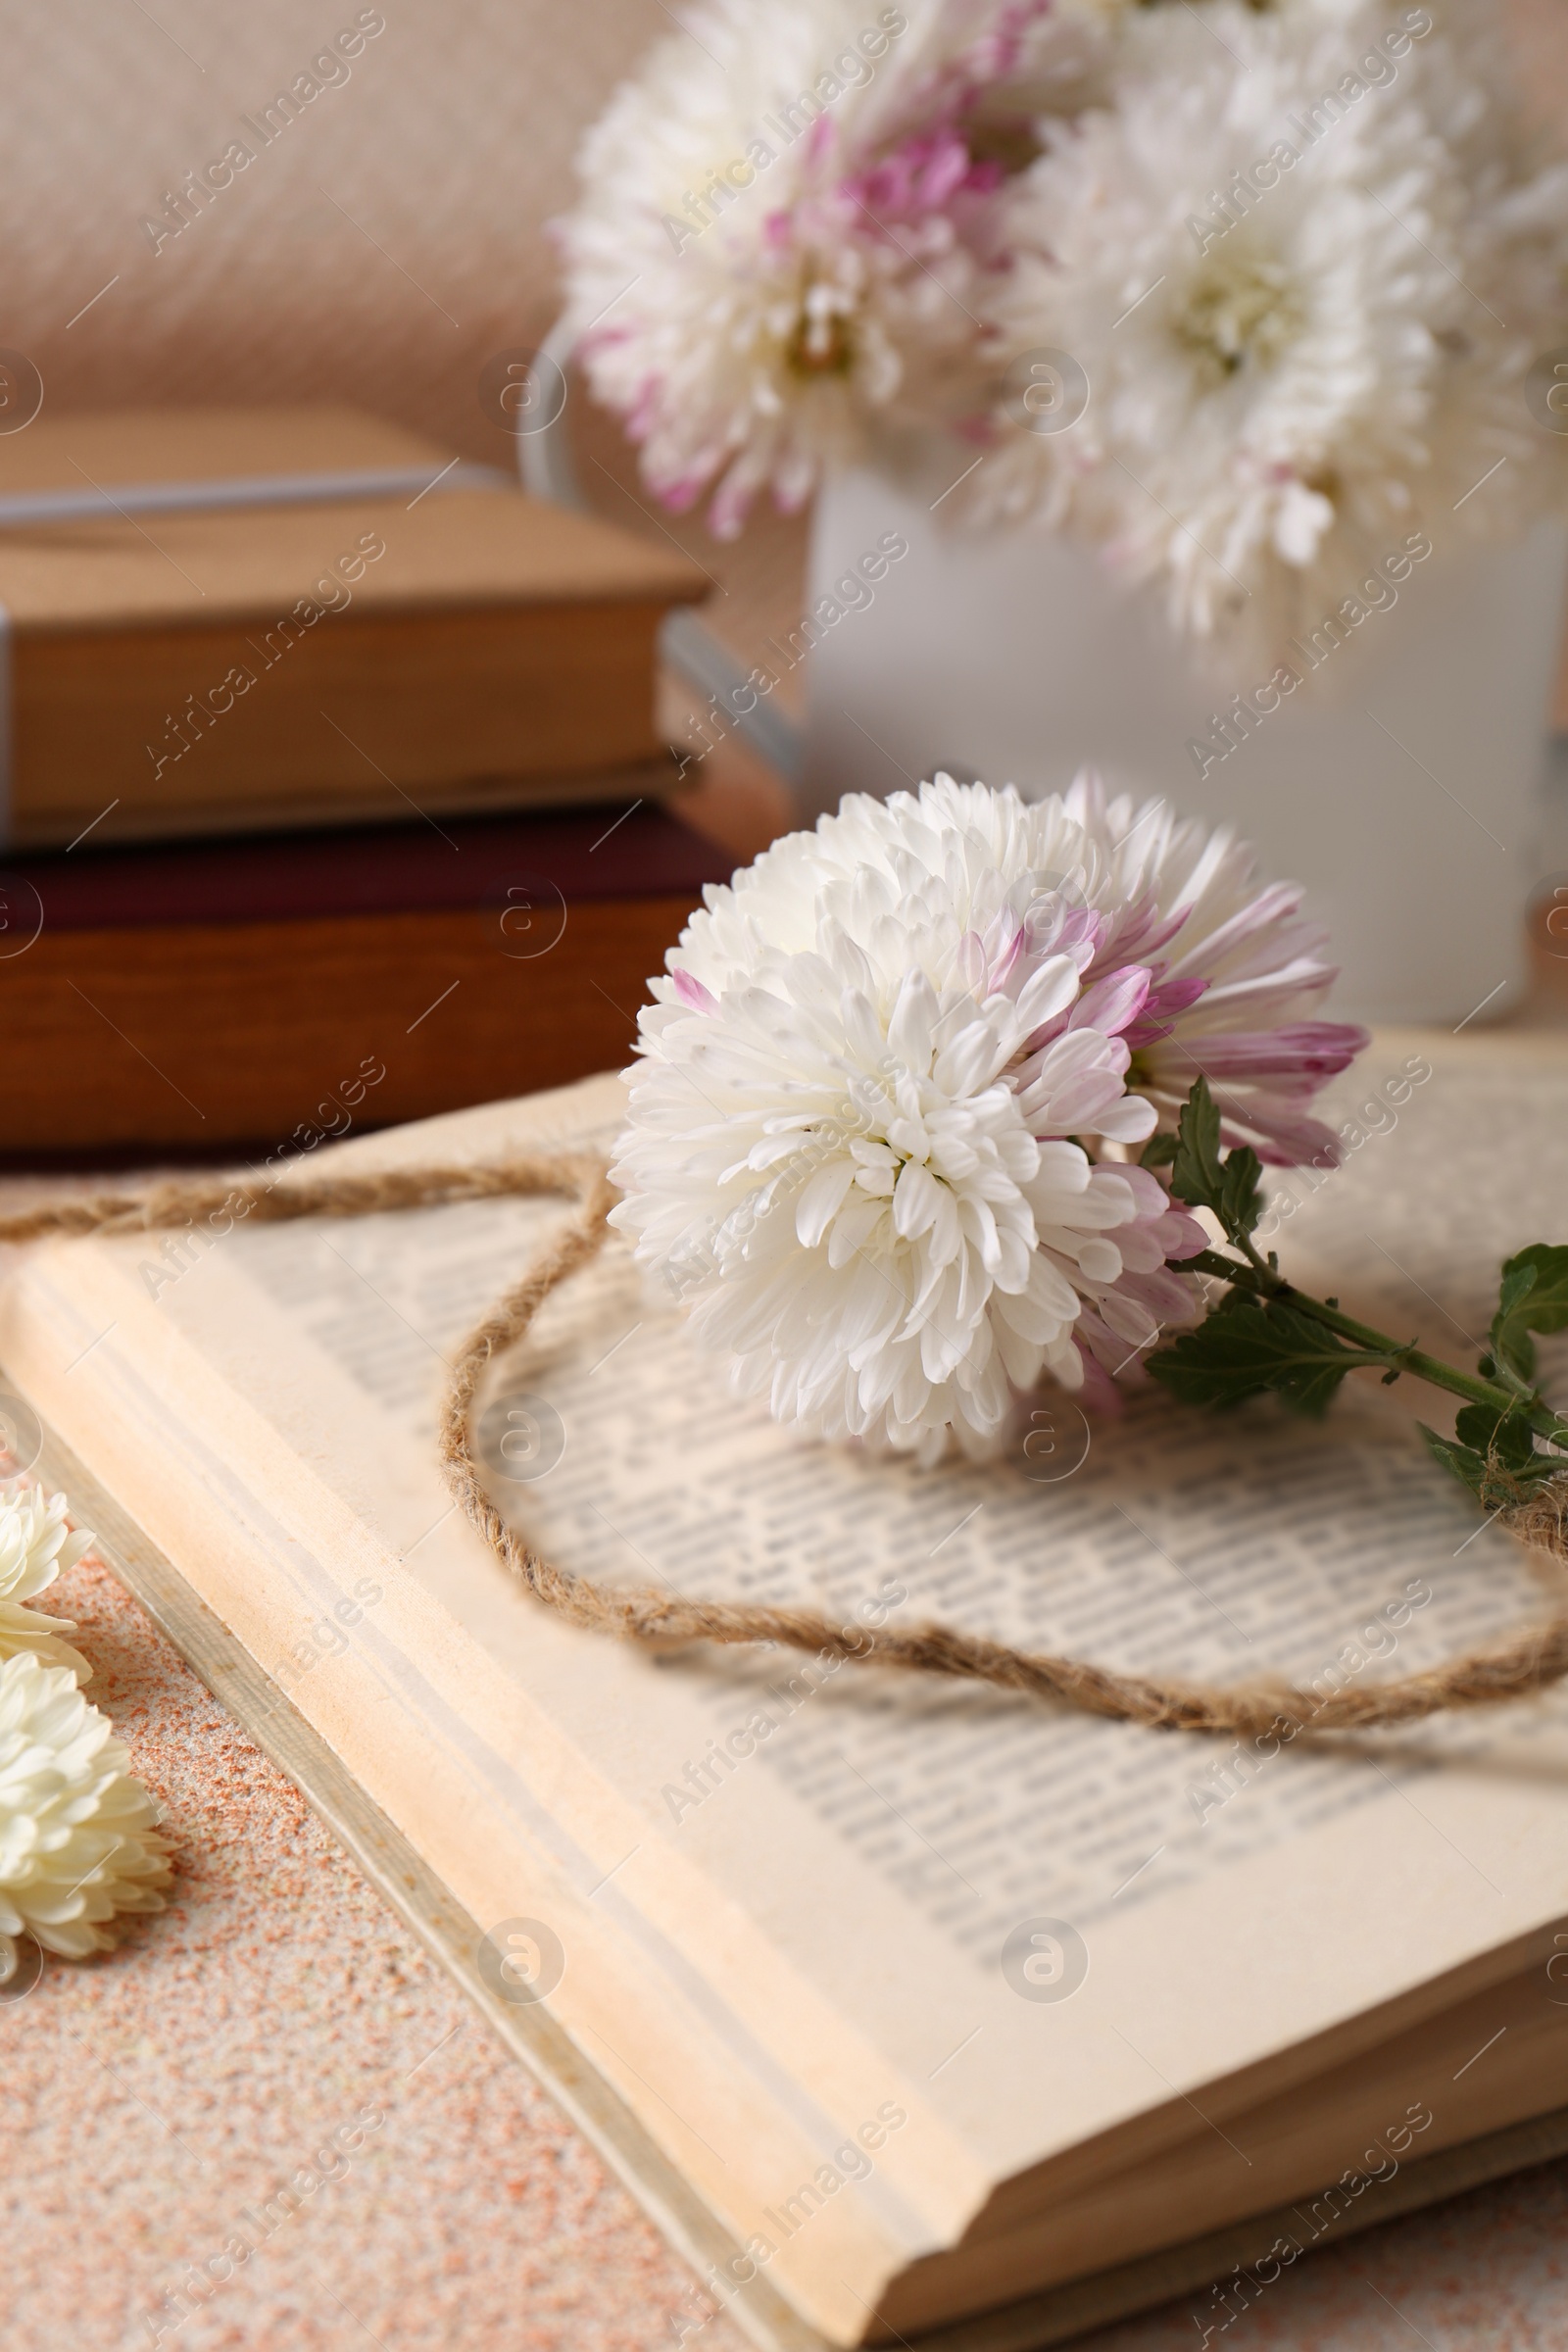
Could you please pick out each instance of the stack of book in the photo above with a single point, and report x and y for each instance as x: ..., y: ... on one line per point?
x: 318, y: 747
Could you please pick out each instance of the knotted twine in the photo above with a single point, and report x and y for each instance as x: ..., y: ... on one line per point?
x: 1513, y: 1666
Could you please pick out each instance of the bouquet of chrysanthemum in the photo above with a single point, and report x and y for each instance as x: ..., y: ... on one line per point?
x: 1301, y: 259
x: 930, y: 1095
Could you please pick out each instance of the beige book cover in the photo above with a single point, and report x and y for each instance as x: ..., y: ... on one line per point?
x: 283, y: 659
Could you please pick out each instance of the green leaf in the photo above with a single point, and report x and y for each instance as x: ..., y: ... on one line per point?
x: 1460, y: 1462
x: 1534, y: 1296
x: 1241, y: 1196
x: 1495, y: 1482
x: 1508, y: 1436
x: 1203, y: 1177
x: 1245, y: 1349
x: 1158, y: 1151
x: 1518, y: 1279
x: 1198, y: 1172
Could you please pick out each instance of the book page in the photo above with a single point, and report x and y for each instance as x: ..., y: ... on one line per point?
x: 824, y: 1869
x: 1168, y: 1547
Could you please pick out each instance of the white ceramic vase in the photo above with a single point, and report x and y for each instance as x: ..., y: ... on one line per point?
x: 1399, y: 781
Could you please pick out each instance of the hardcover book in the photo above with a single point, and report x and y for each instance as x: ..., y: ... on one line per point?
x: 916, y: 2013
x: 229, y: 618
x: 457, y: 955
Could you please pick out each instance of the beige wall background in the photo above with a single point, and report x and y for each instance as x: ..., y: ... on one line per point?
x: 380, y: 250
x: 386, y: 244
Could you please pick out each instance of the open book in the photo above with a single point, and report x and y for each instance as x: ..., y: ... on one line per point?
x: 938, y: 2001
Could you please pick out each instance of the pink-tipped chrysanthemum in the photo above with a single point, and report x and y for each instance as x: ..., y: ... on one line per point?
x: 867, y: 1134
x: 782, y: 225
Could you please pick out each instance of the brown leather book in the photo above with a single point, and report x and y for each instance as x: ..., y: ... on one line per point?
x: 230, y: 618
x: 200, y: 995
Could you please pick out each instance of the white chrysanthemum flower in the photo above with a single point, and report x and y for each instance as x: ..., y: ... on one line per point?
x: 1293, y: 366
x: 851, y: 1136
x: 783, y: 222
x: 35, y: 1545
x: 77, y: 1840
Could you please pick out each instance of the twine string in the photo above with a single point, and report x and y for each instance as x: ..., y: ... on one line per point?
x: 1513, y: 1666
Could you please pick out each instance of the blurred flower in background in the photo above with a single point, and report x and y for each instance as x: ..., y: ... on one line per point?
x: 785, y: 222
x: 1306, y: 257
x: 1303, y: 255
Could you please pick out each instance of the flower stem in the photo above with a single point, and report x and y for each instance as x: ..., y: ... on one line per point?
x: 1264, y: 1281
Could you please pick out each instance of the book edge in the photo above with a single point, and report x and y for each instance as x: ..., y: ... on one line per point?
x: 413, y: 1891
x: 417, y: 1895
